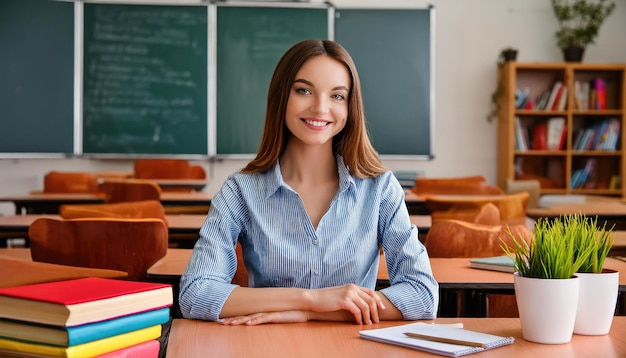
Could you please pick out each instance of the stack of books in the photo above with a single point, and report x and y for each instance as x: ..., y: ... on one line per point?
x: 87, y: 317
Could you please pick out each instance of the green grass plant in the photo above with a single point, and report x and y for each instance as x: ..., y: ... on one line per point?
x: 598, y: 241
x: 558, y: 248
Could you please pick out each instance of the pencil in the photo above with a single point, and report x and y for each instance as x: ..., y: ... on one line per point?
x: 445, y: 340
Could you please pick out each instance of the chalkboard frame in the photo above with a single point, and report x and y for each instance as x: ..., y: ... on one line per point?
x: 211, y: 135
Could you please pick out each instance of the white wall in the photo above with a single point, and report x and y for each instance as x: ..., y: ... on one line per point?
x: 469, y: 35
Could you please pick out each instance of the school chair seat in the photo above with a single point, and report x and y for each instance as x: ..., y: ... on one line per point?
x: 70, y: 182
x: 122, y: 210
x: 157, y: 168
x: 129, y: 245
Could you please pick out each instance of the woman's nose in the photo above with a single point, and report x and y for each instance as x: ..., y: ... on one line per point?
x: 320, y: 105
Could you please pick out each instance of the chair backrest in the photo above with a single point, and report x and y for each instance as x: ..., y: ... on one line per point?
x: 512, y: 207
x: 456, y: 238
x: 129, y: 245
x: 132, y: 209
x: 197, y: 172
x: 116, y: 191
x: 161, y: 168
x: 70, y: 182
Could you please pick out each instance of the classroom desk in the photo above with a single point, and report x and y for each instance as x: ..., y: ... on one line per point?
x: 183, y: 229
x: 415, y: 204
x: 47, y: 203
x: 195, y: 184
x: 193, y: 338
x: 608, y: 209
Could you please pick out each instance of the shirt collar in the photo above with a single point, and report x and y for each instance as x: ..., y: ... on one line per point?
x: 275, y: 178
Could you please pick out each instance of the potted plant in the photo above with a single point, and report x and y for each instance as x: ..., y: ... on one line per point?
x: 506, y: 54
x: 579, y: 24
x: 598, y: 287
x: 546, y: 288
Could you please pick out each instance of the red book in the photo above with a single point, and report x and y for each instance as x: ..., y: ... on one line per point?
x: 81, y: 301
x: 540, y: 136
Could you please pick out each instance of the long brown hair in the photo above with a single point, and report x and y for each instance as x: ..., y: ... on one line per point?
x: 352, y: 143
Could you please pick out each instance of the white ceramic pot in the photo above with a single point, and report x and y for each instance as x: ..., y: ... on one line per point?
x: 596, y: 302
x: 547, y: 308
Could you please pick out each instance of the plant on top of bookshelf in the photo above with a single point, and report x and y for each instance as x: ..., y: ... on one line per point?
x: 579, y: 24
x: 506, y: 54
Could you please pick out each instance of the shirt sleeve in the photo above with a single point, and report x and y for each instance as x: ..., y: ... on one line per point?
x: 206, y: 283
x: 413, y: 288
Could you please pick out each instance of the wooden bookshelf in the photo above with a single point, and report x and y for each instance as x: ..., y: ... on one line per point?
x: 556, y: 167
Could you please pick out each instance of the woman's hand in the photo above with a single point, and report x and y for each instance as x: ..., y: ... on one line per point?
x: 267, y: 317
x: 363, y: 303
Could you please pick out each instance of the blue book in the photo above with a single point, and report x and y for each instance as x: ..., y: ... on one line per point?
x: 76, y: 335
x: 495, y: 263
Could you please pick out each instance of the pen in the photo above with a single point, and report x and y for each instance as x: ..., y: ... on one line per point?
x: 445, y: 340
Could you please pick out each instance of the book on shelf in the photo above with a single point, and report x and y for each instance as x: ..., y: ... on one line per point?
x: 556, y: 133
x: 89, y: 349
x: 600, y: 90
x: 81, y: 301
x: 521, y: 135
x: 540, y: 136
x: 556, y: 90
x: 71, y: 336
x: 431, y: 336
x: 502, y: 263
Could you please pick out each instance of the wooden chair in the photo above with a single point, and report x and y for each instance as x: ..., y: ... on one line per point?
x: 124, y: 210
x: 197, y: 172
x: 161, y: 169
x: 512, y: 207
x: 70, y: 182
x: 458, y: 238
x: 130, y: 245
x: 117, y: 191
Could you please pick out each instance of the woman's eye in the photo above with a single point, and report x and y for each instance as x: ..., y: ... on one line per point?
x: 303, y: 91
x: 339, y: 97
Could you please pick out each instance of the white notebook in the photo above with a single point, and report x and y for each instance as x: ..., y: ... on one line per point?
x: 395, y: 335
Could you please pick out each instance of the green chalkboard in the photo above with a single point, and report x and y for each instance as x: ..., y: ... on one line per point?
x: 145, y: 79
x: 250, y: 41
x: 392, y: 52
x: 36, y: 76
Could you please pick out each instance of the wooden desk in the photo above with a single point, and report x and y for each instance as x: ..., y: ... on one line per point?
x: 183, y: 229
x: 608, y: 209
x: 415, y: 204
x: 46, y: 203
x: 195, y: 184
x: 192, y: 338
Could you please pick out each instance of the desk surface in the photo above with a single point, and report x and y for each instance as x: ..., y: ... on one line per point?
x: 192, y: 338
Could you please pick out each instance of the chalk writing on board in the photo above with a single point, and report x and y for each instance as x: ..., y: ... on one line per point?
x: 145, y: 75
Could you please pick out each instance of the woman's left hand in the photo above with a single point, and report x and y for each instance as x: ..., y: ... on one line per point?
x: 266, y: 317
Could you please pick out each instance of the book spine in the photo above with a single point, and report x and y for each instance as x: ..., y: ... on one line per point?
x: 93, y: 332
x: 114, y: 343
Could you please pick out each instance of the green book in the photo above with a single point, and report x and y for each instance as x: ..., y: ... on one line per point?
x: 495, y: 263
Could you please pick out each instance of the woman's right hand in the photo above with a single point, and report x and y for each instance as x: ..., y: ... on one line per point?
x: 363, y: 303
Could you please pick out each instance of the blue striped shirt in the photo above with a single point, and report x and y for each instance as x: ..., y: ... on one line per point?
x: 281, y: 248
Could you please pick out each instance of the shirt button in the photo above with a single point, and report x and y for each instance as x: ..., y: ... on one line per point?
x: 315, y: 242
x: 315, y: 272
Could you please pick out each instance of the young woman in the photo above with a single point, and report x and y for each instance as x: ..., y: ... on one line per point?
x: 311, y: 212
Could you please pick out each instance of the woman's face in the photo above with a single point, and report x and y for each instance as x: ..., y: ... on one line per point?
x: 317, y: 107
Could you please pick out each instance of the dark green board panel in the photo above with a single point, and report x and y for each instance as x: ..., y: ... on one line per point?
x: 250, y: 41
x: 391, y: 49
x: 36, y: 76
x: 145, y: 79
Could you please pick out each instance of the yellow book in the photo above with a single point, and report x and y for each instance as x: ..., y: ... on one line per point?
x: 84, y: 350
